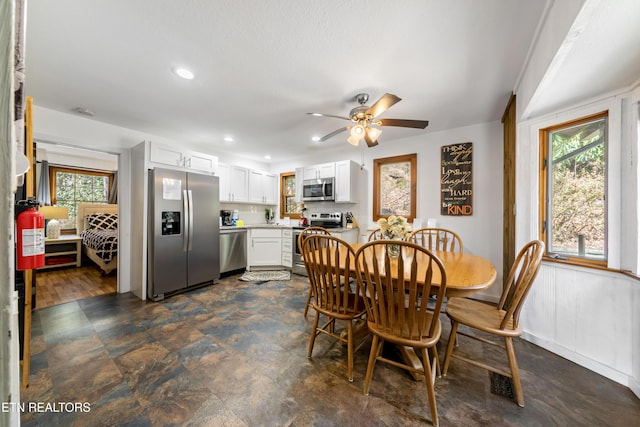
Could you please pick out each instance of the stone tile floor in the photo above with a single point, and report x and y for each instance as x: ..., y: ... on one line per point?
x: 235, y: 354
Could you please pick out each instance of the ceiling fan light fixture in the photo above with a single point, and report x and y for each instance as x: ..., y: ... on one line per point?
x: 373, y: 133
x: 353, y: 141
x: 357, y: 131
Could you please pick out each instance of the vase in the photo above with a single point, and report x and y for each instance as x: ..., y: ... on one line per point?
x: 393, y: 250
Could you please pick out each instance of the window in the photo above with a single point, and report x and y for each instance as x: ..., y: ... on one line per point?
x: 69, y: 187
x: 288, y: 205
x: 573, y: 182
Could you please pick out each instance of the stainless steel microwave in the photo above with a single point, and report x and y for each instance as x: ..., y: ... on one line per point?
x: 318, y: 189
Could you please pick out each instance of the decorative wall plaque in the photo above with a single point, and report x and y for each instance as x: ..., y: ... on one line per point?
x: 456, y: 184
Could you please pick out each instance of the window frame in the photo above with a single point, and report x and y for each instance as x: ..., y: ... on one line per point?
x: 544, y: 195
x: 53, y: 170
x: 283, y: 196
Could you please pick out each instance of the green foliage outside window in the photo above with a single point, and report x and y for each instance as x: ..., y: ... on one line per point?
x: 73, y: 188
x: 577, y: 212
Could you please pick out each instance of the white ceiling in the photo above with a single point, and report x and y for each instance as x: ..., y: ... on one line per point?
x: 261, y: 65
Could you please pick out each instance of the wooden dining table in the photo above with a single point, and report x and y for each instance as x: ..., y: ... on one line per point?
x: 466, y: 275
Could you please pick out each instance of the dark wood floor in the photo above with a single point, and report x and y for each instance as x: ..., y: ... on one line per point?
x: 61, y: 285
x: 235, y: 354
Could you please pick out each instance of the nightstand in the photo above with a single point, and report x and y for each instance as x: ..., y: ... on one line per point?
x: 62, y: 252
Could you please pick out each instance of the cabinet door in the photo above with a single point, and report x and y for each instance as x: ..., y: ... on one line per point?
x: 201, y: 162
x: 311, y: 172
x: 346, y: 180
x: 239, y: 184
x: 270, y: 188
x: 224, y: 171
x: 287, y: 248
x: 299, y: 184
x: 256, y: 194
x: 262, y: 188
x: 166, y: 155
x: 265, y: 251
x: 327, y: 170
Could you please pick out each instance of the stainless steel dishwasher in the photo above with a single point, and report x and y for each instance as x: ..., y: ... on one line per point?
x: 233, y: 249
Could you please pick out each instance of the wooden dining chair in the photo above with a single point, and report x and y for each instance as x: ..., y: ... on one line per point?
x: 329, y: 263
x: 304, y: 233
x: 375, y: 235
x: 399, y: 309
x: 437, y: 239
x: 502, y: 320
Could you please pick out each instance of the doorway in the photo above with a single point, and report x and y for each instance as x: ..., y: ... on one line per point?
x: 75, y: 280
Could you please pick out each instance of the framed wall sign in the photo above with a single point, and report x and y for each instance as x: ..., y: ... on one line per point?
x: 394, y: 187
x: 456, y: 183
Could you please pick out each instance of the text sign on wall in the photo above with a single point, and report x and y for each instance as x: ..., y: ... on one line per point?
x: 456, y: 184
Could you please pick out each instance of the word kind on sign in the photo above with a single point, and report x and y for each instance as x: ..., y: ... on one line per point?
x: 456, y: 185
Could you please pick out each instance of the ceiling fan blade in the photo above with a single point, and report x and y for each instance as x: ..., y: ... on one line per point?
x: 382, y: 104
x: 334, y: 133
x: 371, y: 142
x: 417, y: 124
x: 329, y: 115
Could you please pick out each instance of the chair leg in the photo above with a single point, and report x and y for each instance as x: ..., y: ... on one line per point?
x: 515, y: 374
x: 314, y: 334
x: 431, y: 391
x: 306, y: 307
x: 452, y: 341
x: 376, y: 349
x: 350, y: 350
x: 437, y: 361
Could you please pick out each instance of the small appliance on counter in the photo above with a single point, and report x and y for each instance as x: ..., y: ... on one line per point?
x: 225, y: 216
x: 234, y: 218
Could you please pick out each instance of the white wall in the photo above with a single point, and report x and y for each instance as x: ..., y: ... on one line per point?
x: 481, y: 232
x: 588, y: 316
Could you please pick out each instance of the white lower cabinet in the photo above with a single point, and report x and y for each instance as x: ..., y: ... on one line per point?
x: 269, y: 247
x: 287, y: 248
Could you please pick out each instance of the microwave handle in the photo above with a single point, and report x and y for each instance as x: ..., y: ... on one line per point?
x: 324, y: 189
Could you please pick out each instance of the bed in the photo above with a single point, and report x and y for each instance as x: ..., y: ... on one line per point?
x: 98, y: 227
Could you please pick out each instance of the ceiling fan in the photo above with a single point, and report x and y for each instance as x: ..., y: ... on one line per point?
x: 365, y: 118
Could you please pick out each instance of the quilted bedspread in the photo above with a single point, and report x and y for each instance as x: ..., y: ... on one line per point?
x: 104, y: 242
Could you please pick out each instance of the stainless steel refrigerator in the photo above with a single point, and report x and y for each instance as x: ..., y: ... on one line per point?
x: 184, y: 231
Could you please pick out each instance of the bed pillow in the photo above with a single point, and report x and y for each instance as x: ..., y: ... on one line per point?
x: 103, y: 221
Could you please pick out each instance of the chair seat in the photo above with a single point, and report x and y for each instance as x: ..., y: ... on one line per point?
x: 481, y: 316
x: 401, y: 337
x: 346, y: 311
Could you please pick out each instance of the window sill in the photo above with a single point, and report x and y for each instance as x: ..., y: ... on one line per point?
x: 598, y: 265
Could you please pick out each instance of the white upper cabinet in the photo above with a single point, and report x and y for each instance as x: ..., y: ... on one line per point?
x: 234, y: 183
x: 299, y: 184
x: 347, y: 181
x: 181, y: 158
x: 325, y: 170
x: 263, y: 187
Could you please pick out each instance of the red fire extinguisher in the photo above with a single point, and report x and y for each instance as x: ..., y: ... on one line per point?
x: 29, y: 237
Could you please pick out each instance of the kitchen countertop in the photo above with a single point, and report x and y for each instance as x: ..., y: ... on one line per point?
x: 277, y: 226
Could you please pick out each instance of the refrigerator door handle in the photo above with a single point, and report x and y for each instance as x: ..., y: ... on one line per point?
x: 190, y: 220
x: 187, y: 224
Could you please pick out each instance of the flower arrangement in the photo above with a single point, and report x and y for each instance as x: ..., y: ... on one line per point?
x: 394, y: 227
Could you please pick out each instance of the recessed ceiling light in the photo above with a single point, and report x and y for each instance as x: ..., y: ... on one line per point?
x: 315, y: 139
x: 184, y: 73
x: 267, y: 156
x: 228, y: 139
